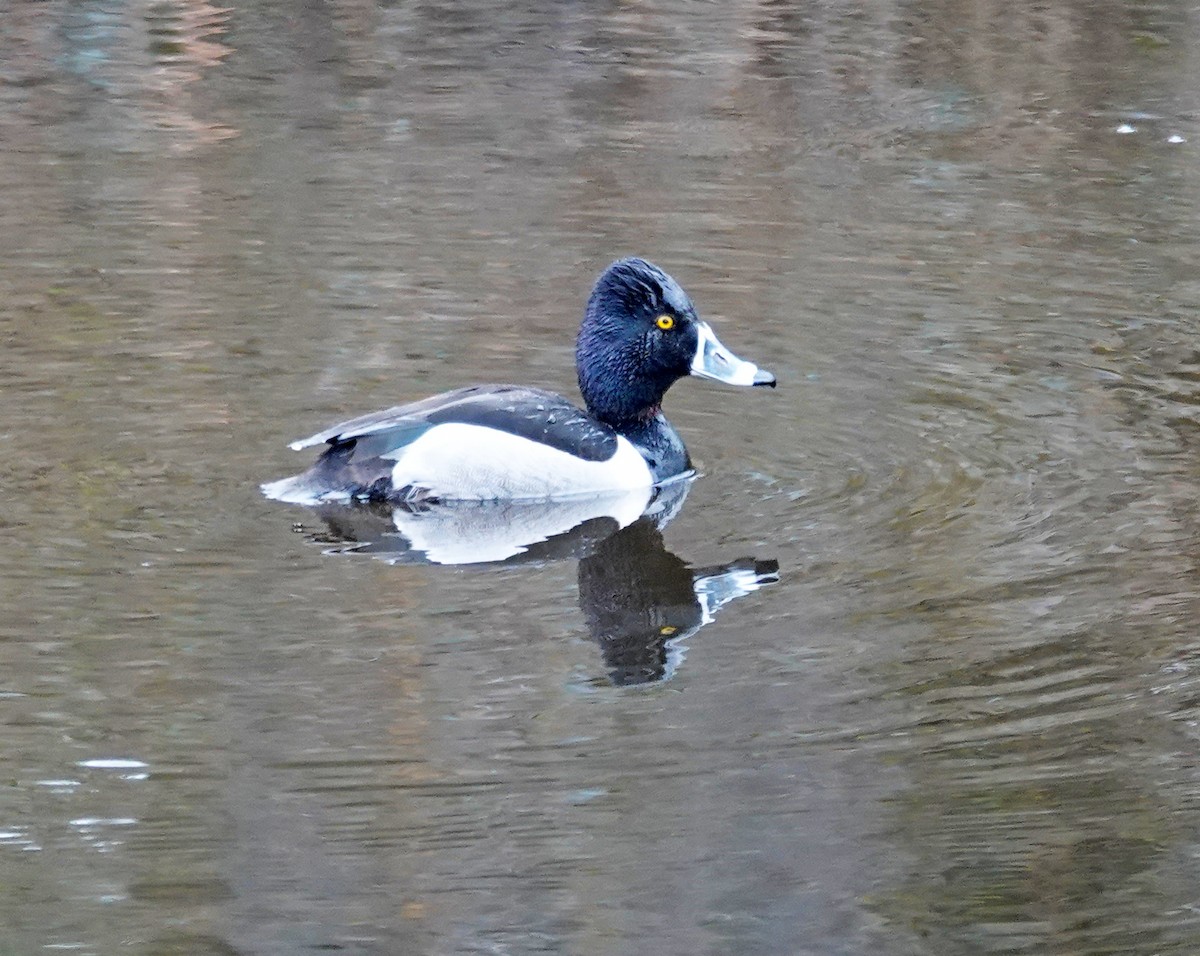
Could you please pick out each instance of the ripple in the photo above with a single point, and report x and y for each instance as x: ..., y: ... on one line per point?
x: 61, y: 785
x: 113, y: 763
x: 18, y: 838
x: 91, y: 823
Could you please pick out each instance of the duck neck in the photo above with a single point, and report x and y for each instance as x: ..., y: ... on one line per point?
x: 659, y: 444
x: 624, y: 402
x: 635, y: 412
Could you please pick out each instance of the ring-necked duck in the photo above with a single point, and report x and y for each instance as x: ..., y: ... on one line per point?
x: 640, y: 334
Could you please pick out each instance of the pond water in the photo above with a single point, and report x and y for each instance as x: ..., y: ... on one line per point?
x: 909, y: 671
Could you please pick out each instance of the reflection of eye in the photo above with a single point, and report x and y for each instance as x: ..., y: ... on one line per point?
x: 665, y: 322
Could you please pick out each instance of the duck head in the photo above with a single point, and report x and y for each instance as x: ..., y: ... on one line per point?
x: 640, y: 334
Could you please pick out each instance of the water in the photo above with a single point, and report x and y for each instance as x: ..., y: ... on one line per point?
x: 964, y: 717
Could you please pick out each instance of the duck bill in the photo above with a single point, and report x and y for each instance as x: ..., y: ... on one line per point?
x: 713, y: 360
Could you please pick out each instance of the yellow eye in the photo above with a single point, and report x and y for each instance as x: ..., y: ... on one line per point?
x: 665, y: 322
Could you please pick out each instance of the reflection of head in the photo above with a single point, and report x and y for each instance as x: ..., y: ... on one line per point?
x: 636, y: 597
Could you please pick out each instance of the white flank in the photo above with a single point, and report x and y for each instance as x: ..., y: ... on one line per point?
x: 461, y: 462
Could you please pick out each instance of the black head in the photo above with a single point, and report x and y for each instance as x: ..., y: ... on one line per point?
x: 640, y: 334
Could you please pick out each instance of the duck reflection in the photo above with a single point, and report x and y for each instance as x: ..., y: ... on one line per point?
x: 492, y: 532
x: 640, y: 601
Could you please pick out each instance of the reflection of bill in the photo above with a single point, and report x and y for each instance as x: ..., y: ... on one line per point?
x: 640, y: 601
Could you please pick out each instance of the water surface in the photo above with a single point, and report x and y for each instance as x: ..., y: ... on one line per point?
x: 963, y: 720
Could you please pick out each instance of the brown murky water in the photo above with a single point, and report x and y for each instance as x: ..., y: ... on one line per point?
x: 964, y: 719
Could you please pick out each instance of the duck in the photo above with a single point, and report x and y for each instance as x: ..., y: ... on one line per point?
x: 640, y: 334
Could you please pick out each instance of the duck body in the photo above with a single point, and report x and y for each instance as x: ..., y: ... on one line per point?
x: 484, y: 442
x: 639, y: 335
